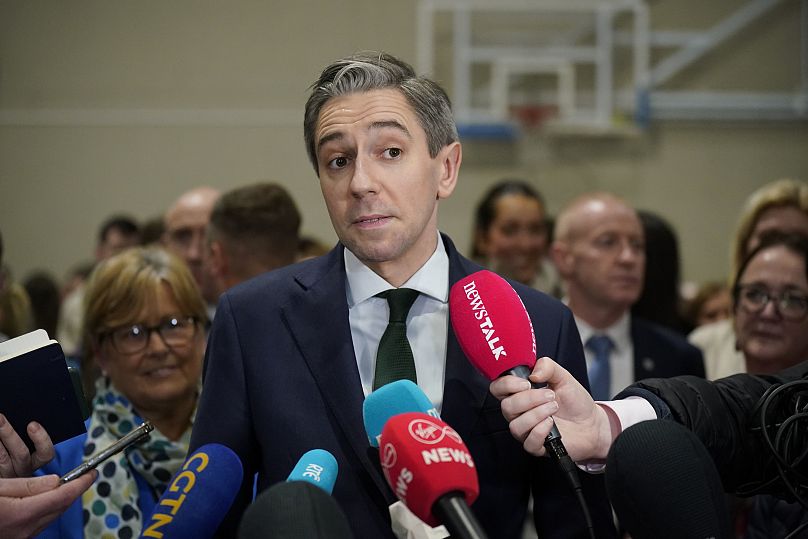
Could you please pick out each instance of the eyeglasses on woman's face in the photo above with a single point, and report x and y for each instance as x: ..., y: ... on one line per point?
x: 791, y: 304
x: 176, y: 332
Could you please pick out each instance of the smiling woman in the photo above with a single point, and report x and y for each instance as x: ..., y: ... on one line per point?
x: 771, y: 304
x: 144, y: 342
x: 511, y: 235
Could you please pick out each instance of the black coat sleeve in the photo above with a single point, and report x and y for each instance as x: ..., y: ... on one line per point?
x: 722, y: 414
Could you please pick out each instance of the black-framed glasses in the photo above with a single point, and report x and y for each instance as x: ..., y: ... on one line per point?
x: 176, y: 332
x: 791, y: 305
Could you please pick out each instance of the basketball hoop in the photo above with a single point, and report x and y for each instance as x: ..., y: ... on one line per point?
x: 533, y: 116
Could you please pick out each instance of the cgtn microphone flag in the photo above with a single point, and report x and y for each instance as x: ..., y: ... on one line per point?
x: 199, y: 495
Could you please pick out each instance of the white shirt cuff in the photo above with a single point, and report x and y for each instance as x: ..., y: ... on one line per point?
x: 629, y: 411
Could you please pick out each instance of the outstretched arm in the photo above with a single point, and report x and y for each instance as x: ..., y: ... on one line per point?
x: 586, y: 428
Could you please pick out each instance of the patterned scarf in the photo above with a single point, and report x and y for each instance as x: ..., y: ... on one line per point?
x: 111, y: 503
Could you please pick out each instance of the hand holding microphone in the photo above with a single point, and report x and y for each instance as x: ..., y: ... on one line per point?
x: 495, y: 333
x: 586, y: 426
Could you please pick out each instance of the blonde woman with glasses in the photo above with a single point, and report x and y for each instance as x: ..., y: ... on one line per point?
x: 145, y: 336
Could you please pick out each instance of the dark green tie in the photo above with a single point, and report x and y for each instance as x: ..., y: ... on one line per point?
x: 394, y: 359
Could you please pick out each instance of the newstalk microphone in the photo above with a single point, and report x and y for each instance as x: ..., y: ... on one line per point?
x: 199, y: 496
x: 496, y: 335
x: 431, y: 470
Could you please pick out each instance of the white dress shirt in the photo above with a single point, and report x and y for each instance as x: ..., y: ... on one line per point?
x: 621, y: 359
x: 427, y: 321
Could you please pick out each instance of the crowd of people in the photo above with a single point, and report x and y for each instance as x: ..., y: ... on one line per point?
x: 289, y: 330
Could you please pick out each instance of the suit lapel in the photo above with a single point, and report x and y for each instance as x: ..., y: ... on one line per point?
x: 464, y: 389
x: 318, y: 319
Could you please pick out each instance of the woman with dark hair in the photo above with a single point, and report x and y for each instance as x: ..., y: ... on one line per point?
x: 511, y: 235
x: 660, y: 301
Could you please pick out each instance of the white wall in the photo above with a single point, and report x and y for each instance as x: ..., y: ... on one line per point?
x: 121, y: 106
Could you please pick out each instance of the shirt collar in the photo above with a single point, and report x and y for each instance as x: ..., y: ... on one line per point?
x: 432, y: 279
x: 619, y: 332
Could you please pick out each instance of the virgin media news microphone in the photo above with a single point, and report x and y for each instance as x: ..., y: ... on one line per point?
x: 395, y: 398
x: 496, y: 335
x: 663, y: 484
x: 199, y: 496
x: 294, y: 510
x: 431, y: 470
x: 318, y: 467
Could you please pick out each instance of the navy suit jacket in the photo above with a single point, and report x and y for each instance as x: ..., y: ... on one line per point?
x: 662, y: 353
x: 281, y: 378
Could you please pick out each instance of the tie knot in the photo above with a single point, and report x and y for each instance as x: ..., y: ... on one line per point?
x: 600, y: 344
x: 400, y: 301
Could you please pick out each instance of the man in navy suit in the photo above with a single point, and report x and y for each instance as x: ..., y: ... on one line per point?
x: 291, y: 354
x: 599, y: 250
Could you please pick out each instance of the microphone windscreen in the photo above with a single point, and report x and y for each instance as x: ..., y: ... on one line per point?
x: 318, y: 467
x: 395, y: 398
x: 293, y: 510
x: 663, y: 484
x: 491, y: 324
x: 423, y: 459
x: 199, y: 495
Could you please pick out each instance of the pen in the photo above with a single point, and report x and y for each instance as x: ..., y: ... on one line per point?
x: 132, y: 438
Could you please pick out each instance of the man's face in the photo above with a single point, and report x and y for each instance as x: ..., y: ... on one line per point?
x: 380, y: 185
x: 604, y: 261
x: 185, y: 233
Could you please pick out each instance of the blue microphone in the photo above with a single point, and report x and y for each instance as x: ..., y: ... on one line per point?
x: 199, y: 495
x: 318, y: 467
x: 399, y: 397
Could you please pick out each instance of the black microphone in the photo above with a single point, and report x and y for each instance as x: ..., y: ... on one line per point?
x: 292, y: 510
x: 663, y: 484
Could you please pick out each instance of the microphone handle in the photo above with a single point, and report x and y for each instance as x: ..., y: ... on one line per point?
x: 555, y: 448
x: 453, y: 512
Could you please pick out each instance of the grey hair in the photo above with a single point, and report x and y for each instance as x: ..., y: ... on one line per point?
x: 368, y: 71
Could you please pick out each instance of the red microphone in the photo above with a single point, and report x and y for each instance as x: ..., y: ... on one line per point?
x: 495, y: 332
x: 431, y: 470
x: 492, y: 325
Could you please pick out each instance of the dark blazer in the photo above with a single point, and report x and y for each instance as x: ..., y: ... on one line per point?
x: 281, y: 379
x: 662, y: 353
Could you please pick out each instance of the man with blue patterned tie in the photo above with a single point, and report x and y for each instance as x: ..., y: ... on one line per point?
x: 599, y: 250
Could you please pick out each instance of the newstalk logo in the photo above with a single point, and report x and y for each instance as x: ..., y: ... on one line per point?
x: 486, y: 326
